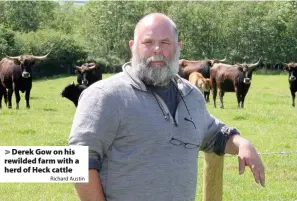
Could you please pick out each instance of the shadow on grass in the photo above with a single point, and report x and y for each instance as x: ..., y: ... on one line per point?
x: 27, y: 132
x: 35, y: 98
x: 50, y: 110
x: 239, y: 117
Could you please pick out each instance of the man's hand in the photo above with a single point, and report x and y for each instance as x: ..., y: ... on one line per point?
x: 248, y: 156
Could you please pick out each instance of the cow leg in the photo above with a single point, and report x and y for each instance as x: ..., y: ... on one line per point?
x: 221, y: 94
x: 5, y: 95
x: 1, y: 94
x: 206, y: 96
x: 242, y: 100
x: 214, y: 96
x: 244, y: 93
x: 10, y: 91
x: 27, y: 96
x: 293, y: 98
x: 17, y: 98
x: 237, y: 96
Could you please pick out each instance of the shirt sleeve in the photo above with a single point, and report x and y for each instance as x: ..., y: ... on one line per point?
x: 95, y: 124
x: 216, y: 134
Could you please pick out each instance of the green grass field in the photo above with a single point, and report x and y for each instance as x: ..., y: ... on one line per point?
x: 268, y: 120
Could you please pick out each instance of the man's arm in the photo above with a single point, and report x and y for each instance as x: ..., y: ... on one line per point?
x: 247, y: 156
x: 91, y: 191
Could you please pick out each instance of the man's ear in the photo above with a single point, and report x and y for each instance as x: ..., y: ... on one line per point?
x: 180, y: 44
x: 131, y: 43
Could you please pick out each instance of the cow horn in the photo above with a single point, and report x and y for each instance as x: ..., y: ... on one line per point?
x: 77, y: 67
x: 18, y: 57
x: 285, y: 64
x: 41, y: 57
x: 92, y: 67
x: 255, y: 64
x: 223, y: 59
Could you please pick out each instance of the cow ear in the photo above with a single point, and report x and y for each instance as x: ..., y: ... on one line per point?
x: 209, y: 62
x: 286, y: 68
x: 76, y: 71
x: 239, y: 68
x: 17, y: 61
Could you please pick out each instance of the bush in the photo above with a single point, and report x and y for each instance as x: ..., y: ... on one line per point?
x: 6, y: 41
x: 64, y: 51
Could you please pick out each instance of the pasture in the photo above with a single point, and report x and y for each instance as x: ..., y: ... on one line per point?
x: 268, y: 120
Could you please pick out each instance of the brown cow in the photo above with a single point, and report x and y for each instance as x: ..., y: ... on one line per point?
x: 186, y: 67
x: 292, y: 70
x: 15, y: 76
x: 200, y: 82
x: 231, y: 78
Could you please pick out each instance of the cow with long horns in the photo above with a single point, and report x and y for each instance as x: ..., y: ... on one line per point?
x: 88, y: 73
x: 186, y: 67
x: 231, y: 78
x: 292, y: 70
x: 16, y: 75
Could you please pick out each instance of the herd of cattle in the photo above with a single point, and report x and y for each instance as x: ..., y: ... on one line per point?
x: 209, y: 74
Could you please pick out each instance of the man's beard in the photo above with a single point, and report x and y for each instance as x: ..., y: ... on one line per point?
x: 155, y: 75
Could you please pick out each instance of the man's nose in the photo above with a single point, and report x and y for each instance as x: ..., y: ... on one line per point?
x: 157, y: 49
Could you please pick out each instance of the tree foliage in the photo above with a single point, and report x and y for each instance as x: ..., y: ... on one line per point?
x: 100, y: 31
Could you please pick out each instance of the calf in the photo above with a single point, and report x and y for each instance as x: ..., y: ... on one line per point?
x: 200, y: 82
x: 231, y: 78
x: 292, y: 70
x: 72, y: 92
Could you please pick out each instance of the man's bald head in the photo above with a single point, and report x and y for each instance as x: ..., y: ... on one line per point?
x: 155, y: 49
x: 155, y: 18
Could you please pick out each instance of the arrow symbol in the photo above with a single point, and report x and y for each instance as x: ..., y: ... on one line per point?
x: 7, y: 151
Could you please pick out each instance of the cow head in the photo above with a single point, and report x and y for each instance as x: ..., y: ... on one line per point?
x: 247, y: 70
x: 68, y: 89
x: 84, y: 70
x: 207, y: 85
x: 72, y: 92
x: 26, y: 62
x: 292, y: 69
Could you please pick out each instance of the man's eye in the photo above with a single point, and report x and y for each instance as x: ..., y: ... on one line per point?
x: 147, y: 42
x: 165, y: 42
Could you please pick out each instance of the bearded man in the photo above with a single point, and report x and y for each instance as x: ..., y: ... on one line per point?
x: 145, y: 126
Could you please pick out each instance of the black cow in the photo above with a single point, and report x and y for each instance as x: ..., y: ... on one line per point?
x: 72, y: 92
x: 292, y: 69
x: 15, y: 76
x: 186, y: 67
x: 231, y: 78
x: 88, y: 73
